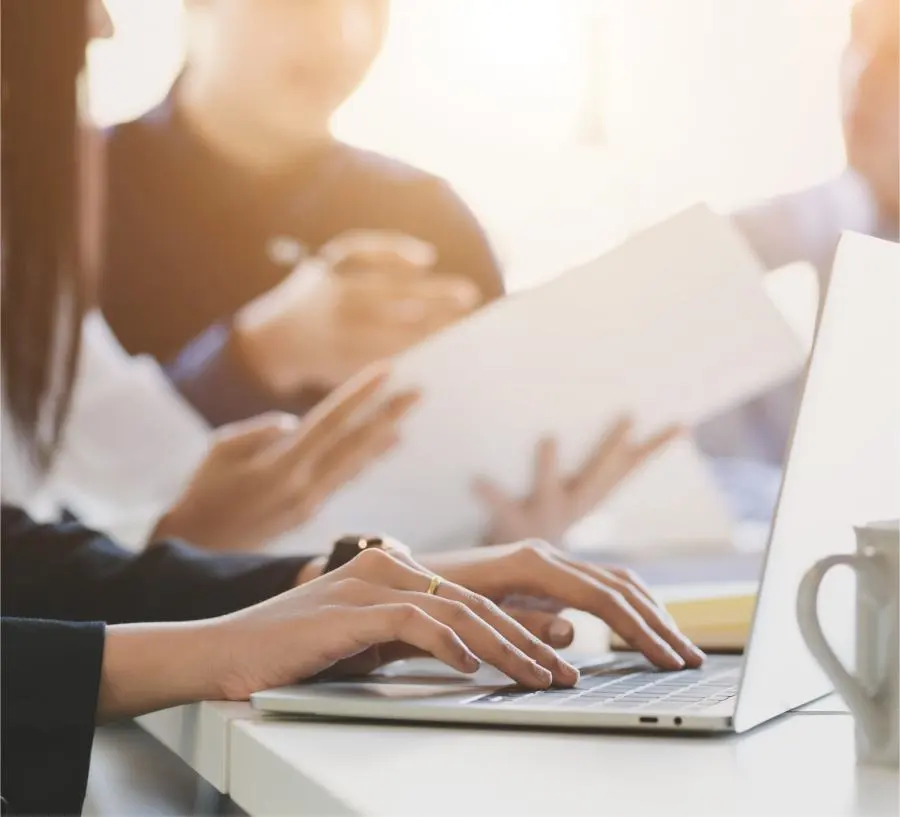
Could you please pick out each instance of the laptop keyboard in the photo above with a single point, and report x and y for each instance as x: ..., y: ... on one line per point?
x: 628, y: 684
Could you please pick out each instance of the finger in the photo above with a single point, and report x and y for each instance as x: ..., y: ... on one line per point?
x: 656, y: 617
x: 386, y: 623
x: 303, y: 502
x: 380, y: 294
x: 390, y: 264
x: 547, y: 480
x: 617, y: 439
x: 513, y: 631
x: 485, y: 641
x: 248, y: 437
x: 371, y: 448
x: 384, y: 243
x: 503, y: 512
x: 545, y: 574
x: 337, y: 410
x: 318, y: 490
x: 658, y: 441
x: 497, y: 637
x: 620, y: 463
x: 604, y: 470
x: 618, y: 454
x: 637, y: 582
x: 345, y: 443
x: 640, y: 586
x: 549, y: 627
x: 405, y: 575
x: 307, y: 478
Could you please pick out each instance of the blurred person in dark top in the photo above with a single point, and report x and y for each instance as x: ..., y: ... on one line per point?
x: 92, y: 634
x: 218, y: 195
x: 263, y: 262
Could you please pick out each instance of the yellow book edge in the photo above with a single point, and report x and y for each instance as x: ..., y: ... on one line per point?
x: 719, y: 624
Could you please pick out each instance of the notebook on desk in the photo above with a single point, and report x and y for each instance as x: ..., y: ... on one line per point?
x: 716, y: 618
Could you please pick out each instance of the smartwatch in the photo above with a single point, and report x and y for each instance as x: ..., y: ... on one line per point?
x: 347, y: 547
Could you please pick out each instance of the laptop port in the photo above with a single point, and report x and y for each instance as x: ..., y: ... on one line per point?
x: 678, y: 721
x: 649, y: 720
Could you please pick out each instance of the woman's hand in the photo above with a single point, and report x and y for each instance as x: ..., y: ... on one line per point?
x: 373, y: 610
x: 534, y: 580
x: 268, y: 475
x: 558, y: 501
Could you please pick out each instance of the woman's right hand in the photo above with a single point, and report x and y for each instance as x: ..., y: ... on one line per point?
x: 266, y: 476
x: 373, y: 610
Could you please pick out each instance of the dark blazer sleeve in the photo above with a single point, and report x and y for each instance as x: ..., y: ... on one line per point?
x: 69, y: 573
x: 51, y: 679
x: 55, y: 576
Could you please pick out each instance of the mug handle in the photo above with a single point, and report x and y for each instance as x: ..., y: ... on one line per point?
x: 858, y: 699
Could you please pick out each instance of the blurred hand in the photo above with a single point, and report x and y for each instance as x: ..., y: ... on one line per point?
x: 534, y: 580
x: 366, y: 297
x: 266, y: 476
x: 558, y: 501
x: 372, y: 610
x: 870, y: 90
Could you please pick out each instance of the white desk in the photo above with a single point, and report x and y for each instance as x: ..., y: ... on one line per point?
x: 802, y: 764
x: 200, y: 734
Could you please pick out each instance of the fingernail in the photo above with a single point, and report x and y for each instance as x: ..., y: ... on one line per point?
x: 689, y: 647
x: 568, y: 673
x: 560, y: 633
x: 542, y: 674
x: 696, y: 652
x: 288, y: 422
x: 674, y: 656
x: 472, y: 664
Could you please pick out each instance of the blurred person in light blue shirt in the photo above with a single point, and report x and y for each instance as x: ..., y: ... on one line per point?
x: 749, y: 445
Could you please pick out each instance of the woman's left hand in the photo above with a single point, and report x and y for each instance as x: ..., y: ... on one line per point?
x: 557, y: 501
x: 555, y: 580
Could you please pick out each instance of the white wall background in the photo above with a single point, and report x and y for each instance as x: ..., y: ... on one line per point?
x: 721, y: 100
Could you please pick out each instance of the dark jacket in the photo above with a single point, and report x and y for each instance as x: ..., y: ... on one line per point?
x: 61, y: 585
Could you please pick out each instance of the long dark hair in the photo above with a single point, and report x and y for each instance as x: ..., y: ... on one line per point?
x: 43, y: 291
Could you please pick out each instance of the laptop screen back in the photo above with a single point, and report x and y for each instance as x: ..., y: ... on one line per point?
x: 843, y: 470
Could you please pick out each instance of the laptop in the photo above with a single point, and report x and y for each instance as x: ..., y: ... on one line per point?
x: 842, y: 470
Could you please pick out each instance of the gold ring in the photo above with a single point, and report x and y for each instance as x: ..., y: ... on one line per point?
x: 436, y: 582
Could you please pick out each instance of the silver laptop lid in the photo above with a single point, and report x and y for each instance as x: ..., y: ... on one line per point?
x: 843, y: 469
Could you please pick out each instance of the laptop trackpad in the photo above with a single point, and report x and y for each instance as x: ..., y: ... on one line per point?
x: 421, y: 679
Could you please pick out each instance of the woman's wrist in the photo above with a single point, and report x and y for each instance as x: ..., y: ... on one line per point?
x: 156, y: 666
x: 311, y: 570
x: 260, y: 338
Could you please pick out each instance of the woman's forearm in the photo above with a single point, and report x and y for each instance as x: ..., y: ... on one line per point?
x: 154, y: 666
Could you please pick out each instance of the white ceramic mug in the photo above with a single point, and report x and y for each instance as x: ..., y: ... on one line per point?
x: 872, y: 694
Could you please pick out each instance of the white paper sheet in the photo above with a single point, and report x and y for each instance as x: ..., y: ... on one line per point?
x: 673, y: 326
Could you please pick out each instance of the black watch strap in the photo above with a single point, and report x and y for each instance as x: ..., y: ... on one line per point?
x: 348, y: 547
